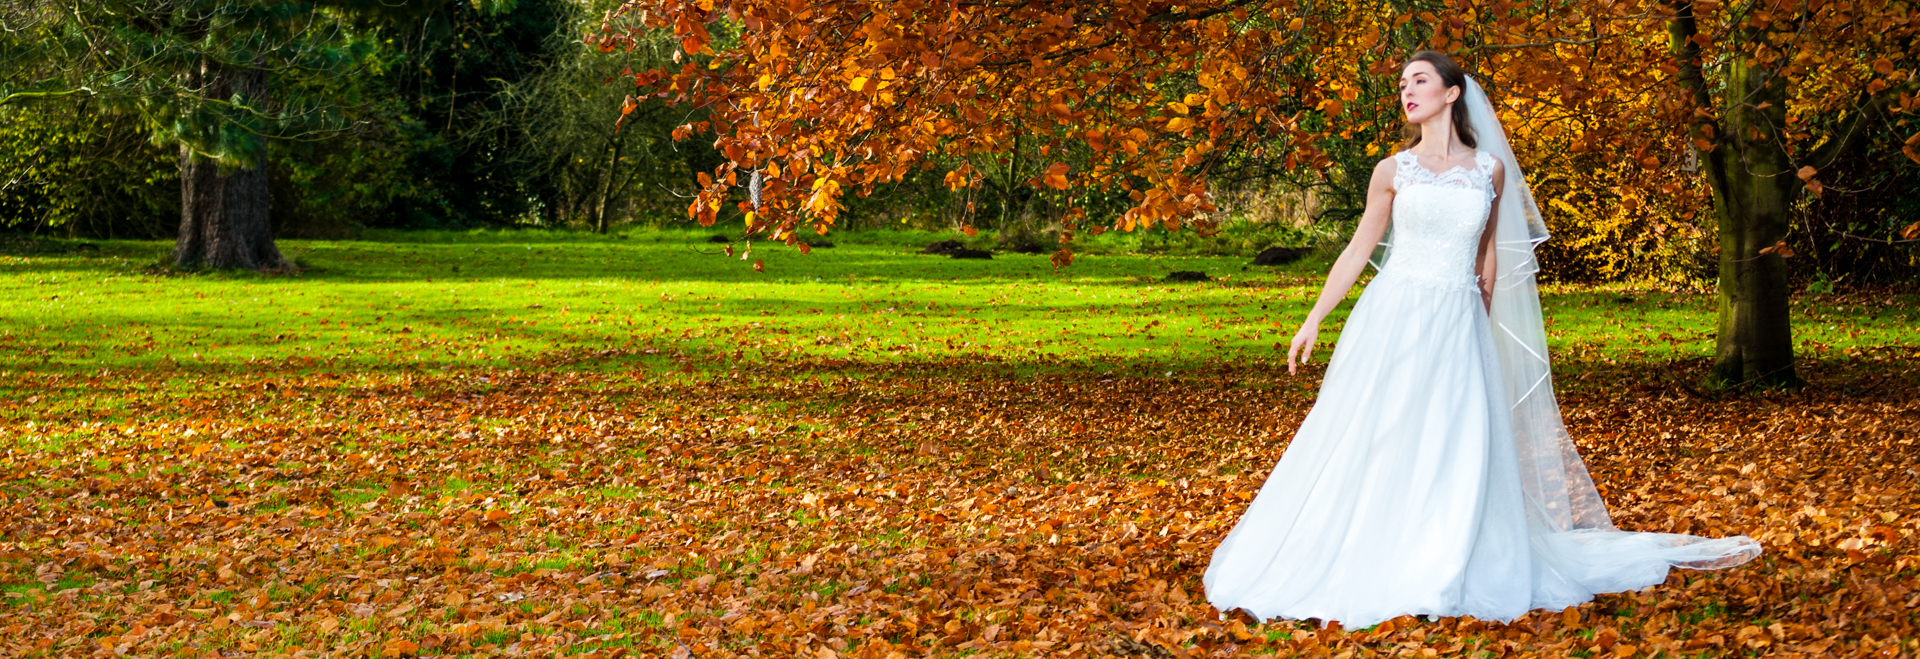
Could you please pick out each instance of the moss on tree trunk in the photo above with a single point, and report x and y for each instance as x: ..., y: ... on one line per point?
x: 1754, y: 183
x: 1753, y: 186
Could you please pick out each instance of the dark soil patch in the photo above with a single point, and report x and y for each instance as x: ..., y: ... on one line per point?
x: 943, y: 247
x: 1023, y: 246
x: 1280, y: 255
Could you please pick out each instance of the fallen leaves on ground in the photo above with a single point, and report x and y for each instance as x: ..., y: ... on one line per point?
x: 860, y: 511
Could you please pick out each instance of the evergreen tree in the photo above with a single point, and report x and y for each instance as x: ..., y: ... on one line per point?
x: 200, y: 75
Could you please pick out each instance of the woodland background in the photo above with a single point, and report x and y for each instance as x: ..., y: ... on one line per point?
x: 465, y: 115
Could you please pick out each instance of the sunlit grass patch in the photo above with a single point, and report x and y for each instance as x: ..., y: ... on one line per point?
x: 659, y: 303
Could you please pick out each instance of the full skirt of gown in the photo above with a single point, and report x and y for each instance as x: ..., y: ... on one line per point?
x: 1401, y: 492
x: 1393, y: 497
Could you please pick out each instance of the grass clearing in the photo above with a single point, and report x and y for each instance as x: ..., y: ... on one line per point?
x: 666, y: 297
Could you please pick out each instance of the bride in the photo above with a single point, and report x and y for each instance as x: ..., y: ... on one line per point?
x: 1433, y: 475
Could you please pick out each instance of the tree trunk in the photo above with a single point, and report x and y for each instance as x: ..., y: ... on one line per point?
x: 223, y: 210
x: 606, y: 184
x: 1754, y: 184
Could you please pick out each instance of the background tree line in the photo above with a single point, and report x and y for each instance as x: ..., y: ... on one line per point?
x: 436, y: 115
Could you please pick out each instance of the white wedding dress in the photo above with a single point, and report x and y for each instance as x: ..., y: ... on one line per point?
x: 1402, y: 492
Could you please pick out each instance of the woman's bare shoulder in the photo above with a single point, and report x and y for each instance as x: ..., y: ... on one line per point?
x: 1385, y: 170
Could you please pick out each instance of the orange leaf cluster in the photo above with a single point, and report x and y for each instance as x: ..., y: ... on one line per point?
x: 1159, y: 101
x: 833, y: 97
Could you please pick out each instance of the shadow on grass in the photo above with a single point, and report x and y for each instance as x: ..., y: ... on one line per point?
x: 638, y: 260
x: 1891, y: 373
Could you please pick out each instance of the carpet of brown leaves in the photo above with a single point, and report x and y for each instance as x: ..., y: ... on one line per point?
x: 819, y: 511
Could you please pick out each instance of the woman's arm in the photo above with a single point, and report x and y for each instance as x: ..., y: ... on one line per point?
x: 1487, y: 263
x: 1346, y: 269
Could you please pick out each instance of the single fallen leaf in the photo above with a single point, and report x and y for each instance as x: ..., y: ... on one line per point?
x: 401, y: 647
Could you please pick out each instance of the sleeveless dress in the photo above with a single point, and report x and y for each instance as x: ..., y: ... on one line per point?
x: 1400, y: 493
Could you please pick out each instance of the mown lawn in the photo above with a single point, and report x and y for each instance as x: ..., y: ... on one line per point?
x: 497, y: 300
x: 537, y: 443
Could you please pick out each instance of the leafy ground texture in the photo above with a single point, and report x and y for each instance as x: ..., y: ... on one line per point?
x: 532, y: 444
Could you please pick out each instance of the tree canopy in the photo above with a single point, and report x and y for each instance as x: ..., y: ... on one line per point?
x: 1657, y: 111
x: 1159, y: 98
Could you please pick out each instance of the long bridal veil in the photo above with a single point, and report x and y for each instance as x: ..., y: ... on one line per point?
x: 1578, y: 550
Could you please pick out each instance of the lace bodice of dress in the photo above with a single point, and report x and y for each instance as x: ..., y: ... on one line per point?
x: 1437, y: 220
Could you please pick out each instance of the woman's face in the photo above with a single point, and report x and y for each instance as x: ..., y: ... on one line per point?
x: 1423, y: 94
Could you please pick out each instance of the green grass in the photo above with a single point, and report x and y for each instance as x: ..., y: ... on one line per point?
x: 508, y: 299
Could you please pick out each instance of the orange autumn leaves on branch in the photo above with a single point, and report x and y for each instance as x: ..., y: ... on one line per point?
x: 830, y: 98
x: 1160, y: 101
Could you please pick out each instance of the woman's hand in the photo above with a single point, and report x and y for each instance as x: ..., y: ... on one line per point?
x: 1353, y: 259
x: 1302, y: 346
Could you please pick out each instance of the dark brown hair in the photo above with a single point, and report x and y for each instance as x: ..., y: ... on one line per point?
x: 1453, y: 76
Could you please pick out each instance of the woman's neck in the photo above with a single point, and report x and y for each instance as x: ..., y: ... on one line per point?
x: 1437, y: 137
